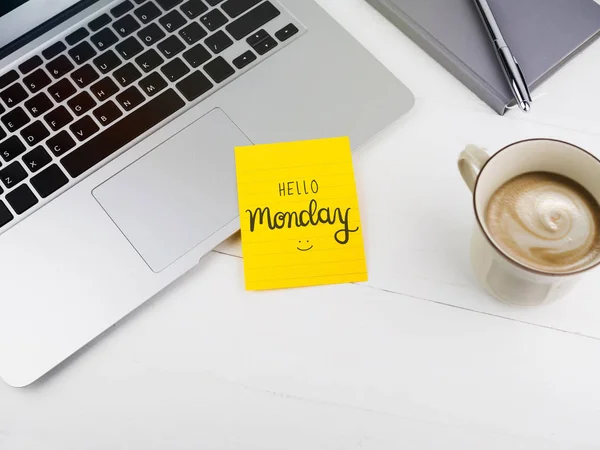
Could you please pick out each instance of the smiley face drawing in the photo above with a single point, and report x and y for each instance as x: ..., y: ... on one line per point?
x: 304, y: 248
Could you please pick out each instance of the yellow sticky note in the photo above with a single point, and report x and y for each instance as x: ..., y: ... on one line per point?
x: 299, y: 214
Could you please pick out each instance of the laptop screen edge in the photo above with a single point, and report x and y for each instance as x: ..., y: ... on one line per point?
x: 28, y: 16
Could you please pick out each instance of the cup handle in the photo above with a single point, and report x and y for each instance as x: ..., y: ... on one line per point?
x: 470, y: 162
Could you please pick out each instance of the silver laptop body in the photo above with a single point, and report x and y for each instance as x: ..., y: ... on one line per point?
x: 117, y: 127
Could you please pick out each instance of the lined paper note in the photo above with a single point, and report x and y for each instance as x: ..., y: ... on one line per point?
x: 299, y: 214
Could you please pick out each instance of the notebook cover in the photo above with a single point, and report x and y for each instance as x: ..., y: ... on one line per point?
x: 542, y: 34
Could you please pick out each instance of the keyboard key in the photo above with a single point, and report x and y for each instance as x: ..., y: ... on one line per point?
x: 84, y: 76
x: 2, y: 134
x: 218, y: 42
x: 219, y: 69
x: 172, y: 21
x: 8, y: 78
x: 252, y: 20
x: 175, y: 69
x: 11, y: 148
x: 38, y: 105
x: 12, y: 175
x: 139, y: 2
x: 104, y: 89
x: 264, y: 46
x: 131, y: 98
x: 21, y: 199
x: 149, y: 60
x: 54, y: 50
x: 244, y: 59
x: 13, y: 95
x: 214, y: 2
x: 58, y: 118
x: 255, y: 38
x: 62, y: 90
x: 30, y: 65
x: 99, y: 22
x: 126, y: 25
x: 122, y: 8
x: 121, y: 133
x: 213, y: 20
x: 171, y: 46
x: 286, y: 32
x: 81, y: 103
x: 197, y: 55
x: 107, y: 62
x: 36, y: 159
x: 36, y: 81
x: 77, y: 36
x: 168, y: 4
x: 15, y: 119
x: 127, y: 74
x: 35, y: 133
x: 61, y: 143
x: 234, y: 8
x: 84, y: 128
x: 60, y: 66
x: 82, y: 52
x: 129, y: 48
x: 192, y: 33
x: 147, y: 13
x: 151, y: 34
x: 104, y: 39
x: 49, y: 181
x: 153, y: 84
x: 194, y: 8
x: 5, y: 215
x: 194, y: 85
x: 107, y: 113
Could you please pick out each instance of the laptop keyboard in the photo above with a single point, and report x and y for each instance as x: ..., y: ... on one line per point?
x: 132, y: 67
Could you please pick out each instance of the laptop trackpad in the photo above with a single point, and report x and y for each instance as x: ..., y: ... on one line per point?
x: 180, y: 193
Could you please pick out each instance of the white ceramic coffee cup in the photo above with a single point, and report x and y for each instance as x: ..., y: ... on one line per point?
x: 501, y: 275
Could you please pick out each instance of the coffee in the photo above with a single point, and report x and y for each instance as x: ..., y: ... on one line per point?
x: 545, y: 221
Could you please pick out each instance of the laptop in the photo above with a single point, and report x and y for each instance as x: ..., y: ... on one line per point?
x: 118, y: 121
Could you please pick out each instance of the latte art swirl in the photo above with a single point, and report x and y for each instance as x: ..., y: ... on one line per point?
x: 545, y: 221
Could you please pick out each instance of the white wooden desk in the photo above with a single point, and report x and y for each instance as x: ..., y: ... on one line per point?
x: 417, y: 358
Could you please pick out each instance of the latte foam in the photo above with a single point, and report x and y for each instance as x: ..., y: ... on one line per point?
x: 546, y: 221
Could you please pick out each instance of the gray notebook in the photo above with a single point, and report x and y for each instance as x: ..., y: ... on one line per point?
x: 542, y: 34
